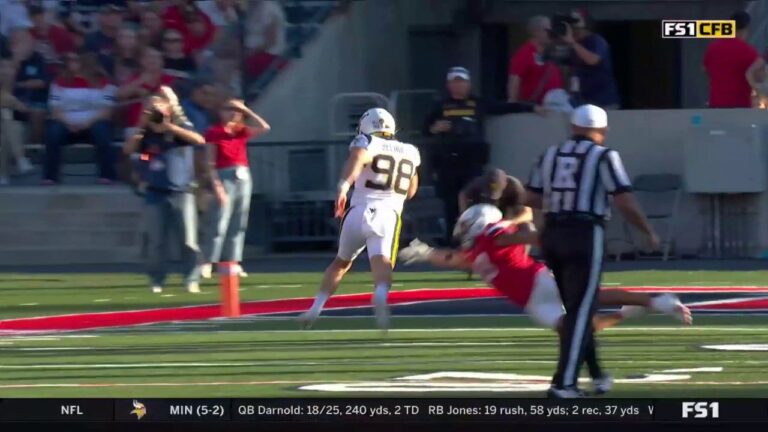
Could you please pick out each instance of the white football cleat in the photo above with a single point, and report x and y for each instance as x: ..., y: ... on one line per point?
x: 241, y: 272
x: 670, y: 304
x: 157, y: 289
x: 193, y: 288
x: 206, y: 270
x: 602, y: 385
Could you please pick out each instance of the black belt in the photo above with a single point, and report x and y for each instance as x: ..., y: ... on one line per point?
x: 564, y: 218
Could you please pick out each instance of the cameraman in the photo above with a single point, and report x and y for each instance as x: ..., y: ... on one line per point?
x: 460, y: 151
x: 165, y: 155
x: 591, y: 63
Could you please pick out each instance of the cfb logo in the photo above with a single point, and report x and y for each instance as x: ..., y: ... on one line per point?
x: 683, y: 29
x: 701, y: 410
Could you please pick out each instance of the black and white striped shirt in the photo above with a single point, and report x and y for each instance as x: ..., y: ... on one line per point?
x: 577, y: 176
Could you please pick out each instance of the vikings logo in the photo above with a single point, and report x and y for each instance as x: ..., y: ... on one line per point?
x: 139, y: 409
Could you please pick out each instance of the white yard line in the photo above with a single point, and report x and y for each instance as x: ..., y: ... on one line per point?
x: 268, y: 363
x: 102, y: 300
x: 29, y: 304
x: 255, y: 383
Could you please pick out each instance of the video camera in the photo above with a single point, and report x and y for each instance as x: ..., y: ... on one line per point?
x: 558, y: 52
x: 560, y: 22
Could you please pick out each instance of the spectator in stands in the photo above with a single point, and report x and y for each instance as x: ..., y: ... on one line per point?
x: 81, y: 16
x: 133, y: 12
x: 31, y: 86
x: 460, y: 150
x: 81, y: 104
x: 13, y: 15
x: 592, y: 64
x: 177, y: 63
x: 143, y: 84
x: 102, y: 41
x: 228, y: 216
x: 10, y: 130
x: 226, y: 16
x: 151, y: 29
x: 199, y: 106
x: 734, y: 67
x: 32, y: 78
x: 224, y: 71
x: 53, y: 41
x: 222, y: 13
x: 124, y: 63
x: 193, y: 24
x: 265, y: 43
x: 167, y: 167
x: 531, y: 76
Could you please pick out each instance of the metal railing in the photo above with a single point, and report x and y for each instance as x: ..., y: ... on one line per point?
x: 294, y: 193
x: 345, y: 110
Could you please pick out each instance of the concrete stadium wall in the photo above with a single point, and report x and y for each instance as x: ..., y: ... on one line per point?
x: 650, y: 142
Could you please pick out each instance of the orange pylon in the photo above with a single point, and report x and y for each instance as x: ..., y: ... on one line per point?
x: 229, y: 278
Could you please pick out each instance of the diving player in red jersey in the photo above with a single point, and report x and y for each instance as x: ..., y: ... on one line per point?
x: 497, y: 250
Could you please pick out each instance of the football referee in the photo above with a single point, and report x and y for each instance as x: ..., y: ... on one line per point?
x: 571, y: 183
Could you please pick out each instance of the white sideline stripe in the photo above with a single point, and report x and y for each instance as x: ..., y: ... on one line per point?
x: 326, y: 363
x: 726, y: 301
x: 691, y: 370
x: 506, y: 329
x: 161, y: 384
x: 246, y: 383
x: 102, y: 300
x: 29, y: 304
x: 146, y: 327
x: 168, y: 295
x: 52, y: 349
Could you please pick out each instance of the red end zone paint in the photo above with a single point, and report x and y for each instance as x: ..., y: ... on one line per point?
x: 342, y: 301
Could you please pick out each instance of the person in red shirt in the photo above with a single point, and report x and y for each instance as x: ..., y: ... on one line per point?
x: 52, y: 40
x: 228, y: 215
x: 196, y: 27
x: 530, y: 76
x: 147, y: 82
x: 497, y: 250
x: 734, y: 67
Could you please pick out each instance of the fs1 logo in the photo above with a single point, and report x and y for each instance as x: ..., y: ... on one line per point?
x: 701, y: 410
x: 688, y: 29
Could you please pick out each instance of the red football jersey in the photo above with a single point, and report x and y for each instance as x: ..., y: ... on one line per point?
x: 509, y: 269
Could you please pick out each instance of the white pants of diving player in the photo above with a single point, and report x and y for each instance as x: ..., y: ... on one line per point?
x: 545, y: 306
x: 374, y: 226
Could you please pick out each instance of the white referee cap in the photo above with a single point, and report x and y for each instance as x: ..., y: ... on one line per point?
x: 457, y: 72
x: 590, y: 116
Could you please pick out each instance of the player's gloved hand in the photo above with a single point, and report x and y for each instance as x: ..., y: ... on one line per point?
x: 415, y: 252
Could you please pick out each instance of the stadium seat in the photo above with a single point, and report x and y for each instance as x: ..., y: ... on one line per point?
x: 659, y: 195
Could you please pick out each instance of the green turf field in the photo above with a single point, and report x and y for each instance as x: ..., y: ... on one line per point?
x: 268, y: 357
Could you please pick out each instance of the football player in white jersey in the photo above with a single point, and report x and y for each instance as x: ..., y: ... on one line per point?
x: 383, y: 171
